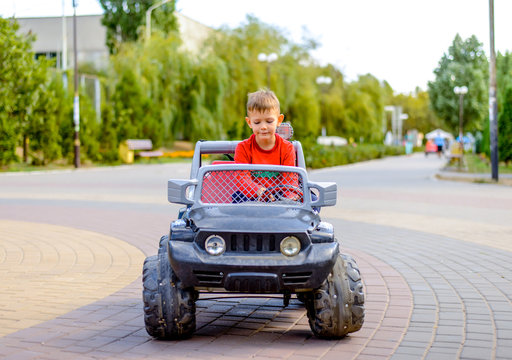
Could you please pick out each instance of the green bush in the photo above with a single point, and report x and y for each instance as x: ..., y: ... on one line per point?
x: 319, y: 156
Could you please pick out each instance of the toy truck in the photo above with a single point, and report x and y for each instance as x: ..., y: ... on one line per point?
x: 275, y: 243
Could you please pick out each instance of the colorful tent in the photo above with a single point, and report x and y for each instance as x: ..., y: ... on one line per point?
x: 438, y: 132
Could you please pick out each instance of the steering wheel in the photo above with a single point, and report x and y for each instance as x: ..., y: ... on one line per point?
x: 277, y: 192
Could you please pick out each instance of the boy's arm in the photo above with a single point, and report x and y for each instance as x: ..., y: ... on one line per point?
x: 245, y: 184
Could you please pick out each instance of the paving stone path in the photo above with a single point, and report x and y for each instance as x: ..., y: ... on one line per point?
x: 435, y: 258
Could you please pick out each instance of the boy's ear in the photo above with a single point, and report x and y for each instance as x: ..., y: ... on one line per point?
x: 248, y: 121
x: 280, y: 119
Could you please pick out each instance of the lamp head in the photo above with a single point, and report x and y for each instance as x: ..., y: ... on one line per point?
x: 460, y: 90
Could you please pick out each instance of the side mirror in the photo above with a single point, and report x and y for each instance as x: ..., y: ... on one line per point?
x: 327, y: 193
x: 177, y: 191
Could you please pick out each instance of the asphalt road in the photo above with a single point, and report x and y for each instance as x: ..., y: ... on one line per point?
x: 435, y: 258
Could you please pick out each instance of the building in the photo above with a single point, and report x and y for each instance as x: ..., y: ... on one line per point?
x: 91, y: 37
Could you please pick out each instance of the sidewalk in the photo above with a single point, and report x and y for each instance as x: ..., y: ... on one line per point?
x: 434, y: 256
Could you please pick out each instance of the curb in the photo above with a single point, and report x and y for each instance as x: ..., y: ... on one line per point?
x: 479, y: 178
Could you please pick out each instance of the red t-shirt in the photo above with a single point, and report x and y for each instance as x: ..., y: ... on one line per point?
x: 249, y: 152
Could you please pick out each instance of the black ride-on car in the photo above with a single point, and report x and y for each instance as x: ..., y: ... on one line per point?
x: 274, y: 244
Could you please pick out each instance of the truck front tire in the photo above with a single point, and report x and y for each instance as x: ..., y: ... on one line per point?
x: 337, y: 307
x: 169, y: 310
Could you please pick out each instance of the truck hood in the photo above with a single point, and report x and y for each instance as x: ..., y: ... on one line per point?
x: 272, y: 219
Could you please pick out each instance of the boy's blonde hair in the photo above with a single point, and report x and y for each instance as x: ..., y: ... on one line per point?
x: 262, y: 100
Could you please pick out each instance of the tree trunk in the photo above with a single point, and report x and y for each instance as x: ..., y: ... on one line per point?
x: 25, y: 148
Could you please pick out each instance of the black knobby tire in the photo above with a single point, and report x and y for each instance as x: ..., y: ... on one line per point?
x: 337, y: 307
x: 162, y: 244
x: 162, y: 248
x: 169, y: 310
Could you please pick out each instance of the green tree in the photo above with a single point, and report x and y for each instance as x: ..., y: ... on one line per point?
x: 89, y: 129
x: 64, y: 113
x: 465, y: 64
x: 346, y: 109
x: 164, y: 93
x: 503, y: 74
x: 305, y: 112
x: 417, y: 107
x: 12, y: 49
x: 123, y: 18
x: 131, y: 106
x: 291, y: 80
x: 22, y: 80
x: 108, y: 137
x: 505, y: 127
x: 332, y: 105
x: 364, y: 106
x: 504, y: 84
x: 43, y: 127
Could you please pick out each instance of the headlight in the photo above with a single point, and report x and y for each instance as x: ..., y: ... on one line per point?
x: 215, y: 245
x: 290, y: 246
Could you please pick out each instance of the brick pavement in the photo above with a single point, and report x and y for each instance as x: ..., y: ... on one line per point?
x: 49, y: 270
x: 226, y: 327
x: 432, y: 292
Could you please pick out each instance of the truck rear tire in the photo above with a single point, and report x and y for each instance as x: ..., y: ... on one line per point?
x: 337, y: 307
x: 169, y: 310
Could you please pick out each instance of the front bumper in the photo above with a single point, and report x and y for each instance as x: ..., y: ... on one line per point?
x: 252, y: 273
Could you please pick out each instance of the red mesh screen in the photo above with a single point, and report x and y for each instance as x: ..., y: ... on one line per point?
x: 239, y: 186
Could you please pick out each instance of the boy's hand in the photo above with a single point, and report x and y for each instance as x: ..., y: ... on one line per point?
x: 294, y: 197
x: 260, y: 193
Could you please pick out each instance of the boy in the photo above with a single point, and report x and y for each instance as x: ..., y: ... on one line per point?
x: 264, y: 147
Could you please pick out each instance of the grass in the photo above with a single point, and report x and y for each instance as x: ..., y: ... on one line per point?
x: 480, y: 164
x: 161, y: 160
x: 21, y: 167
x: 477, y: 164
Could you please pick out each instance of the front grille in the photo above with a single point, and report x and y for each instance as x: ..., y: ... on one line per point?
x: 296, y: 278
x: 255, y: 243
x: 252, y: 243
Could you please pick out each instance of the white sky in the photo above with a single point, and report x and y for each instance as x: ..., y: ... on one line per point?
x: 400, y: 41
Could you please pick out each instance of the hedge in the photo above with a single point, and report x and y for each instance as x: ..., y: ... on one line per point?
x: 319, y: 156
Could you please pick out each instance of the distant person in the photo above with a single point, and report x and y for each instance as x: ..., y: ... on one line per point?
x: 439, y: 141
x: 430, y: 147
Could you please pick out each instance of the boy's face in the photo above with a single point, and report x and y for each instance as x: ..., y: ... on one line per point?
x: 264, y: 125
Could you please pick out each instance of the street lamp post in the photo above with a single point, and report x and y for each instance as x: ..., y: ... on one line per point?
x: 148, y: 17
x: 493, y: 101
x: 270, y: 58
x: 401, y: 125
x: 76, y: 99
x: 461, y: 91
x: 391, y: 109
x: 64, y: 57
x: 397, y: 118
